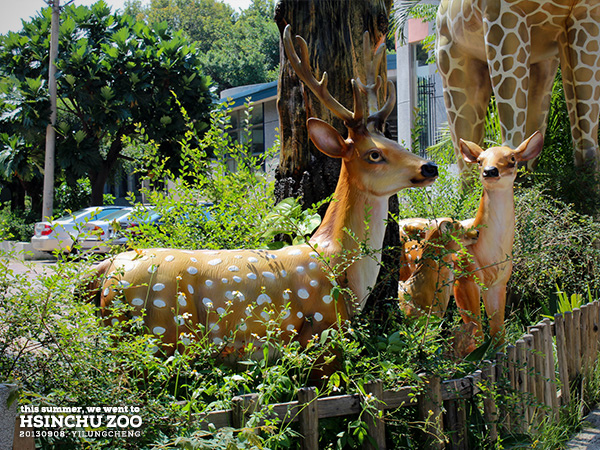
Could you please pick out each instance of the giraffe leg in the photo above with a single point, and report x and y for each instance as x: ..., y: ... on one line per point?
x: 467, y: 92
x: 580, y: 64
x: 508, y: 52
x: 538, y: 99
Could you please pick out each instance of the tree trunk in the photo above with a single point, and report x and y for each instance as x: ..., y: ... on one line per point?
x: 333, y: 30
x: 100, y: 176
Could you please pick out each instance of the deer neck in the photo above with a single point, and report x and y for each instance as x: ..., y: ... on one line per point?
x: 364, y: 216
x: 495, y: 221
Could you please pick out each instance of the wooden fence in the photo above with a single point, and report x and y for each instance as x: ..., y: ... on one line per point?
x: 533, y: 375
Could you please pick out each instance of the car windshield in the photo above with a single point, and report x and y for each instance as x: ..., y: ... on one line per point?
x: 116, y: 215
x: 89, y: 214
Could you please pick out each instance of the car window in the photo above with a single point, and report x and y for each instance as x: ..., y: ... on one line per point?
x: 89, y: 214
x: 115, y: 215
x: 100, y: 214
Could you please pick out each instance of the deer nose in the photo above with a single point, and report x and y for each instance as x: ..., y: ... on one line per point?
x: 490, y: 172
x: 429, y: 170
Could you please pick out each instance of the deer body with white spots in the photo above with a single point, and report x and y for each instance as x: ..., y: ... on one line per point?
x: 230, y: 296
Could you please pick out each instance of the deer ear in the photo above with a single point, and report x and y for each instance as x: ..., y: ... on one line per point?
x: 531, y: 148
x: 327, y: 139
x: 470, y: 150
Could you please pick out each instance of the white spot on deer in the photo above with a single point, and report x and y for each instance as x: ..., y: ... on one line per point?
x: 318, y: 316
x: 290, y: 327
x: 192, y: 259
x: 158, y: 330
x: 179, y: 320
x: 241, y: 297
x: 207, y: 302
x: 248, y: 310
x: 190, y: 289
x: 252, y: 276
x: 128, y: 266
x: 327, y: 299
x: 114, y: 321
x: 153, y: 268
x: 314, y: 283
x: 214, y: 262
x: 237, y: 279
x: 213, y: 327
x: 286, y: 294
x: 269, y: 275
x: 208, y: 283
x: 181, y: 300
x: 153, y: 349
x: 187, y: 251
x: 300, y: 269
x: 303, y: 293
x: 220, y: 310
x: 271, y: 256
x: 229, y: 295
x: 295, y: 252
x: 243, y: 327
x: 263, y: 298
x: 137, y: 301
x: 312, y: 265
x: 158, y: 287
x: 159, y: 303
x: 265, y: 315
x: 213, y: 252
x: 106, y: 292
x: 299, y: 315
x: 169, y: 258
x: 233, y: 268
x: 185, y: 341
x: 123, y: 284
x: 224, y: 280
x: 217, y: 341
x: 283, y: 273
x: 285, y: 314
x: 192, y: 270
x: 238, y: 256
x: 252, y: 260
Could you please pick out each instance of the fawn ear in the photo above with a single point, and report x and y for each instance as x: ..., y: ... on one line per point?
x: 531, y: 148
x: 327, y: 139
x: 470, y: 150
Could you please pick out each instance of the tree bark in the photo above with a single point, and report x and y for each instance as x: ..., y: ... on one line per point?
x: 333, y: 30
x: 99, y: 177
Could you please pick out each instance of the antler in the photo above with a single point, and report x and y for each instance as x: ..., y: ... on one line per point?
x: 377, y: 116
x: 319, y: 88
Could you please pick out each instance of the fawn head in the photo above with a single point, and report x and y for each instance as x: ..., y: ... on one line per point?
x: 498, y: 165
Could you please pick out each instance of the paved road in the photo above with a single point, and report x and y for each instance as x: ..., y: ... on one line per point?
x: 589, y: 437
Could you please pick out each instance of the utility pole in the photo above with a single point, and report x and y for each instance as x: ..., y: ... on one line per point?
x: 48, y: 194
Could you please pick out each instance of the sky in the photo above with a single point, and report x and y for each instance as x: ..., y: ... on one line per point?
x: 15, y: 10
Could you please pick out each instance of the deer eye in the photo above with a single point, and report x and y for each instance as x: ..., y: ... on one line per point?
x: 374, y: 156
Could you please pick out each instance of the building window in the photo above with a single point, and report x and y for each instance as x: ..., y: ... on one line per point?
x: 257, y: 128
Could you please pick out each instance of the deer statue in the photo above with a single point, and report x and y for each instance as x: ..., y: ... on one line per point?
x: 228, y: 296
x: 427, y: 262
x: 513, y: 48
x: 489, y: 265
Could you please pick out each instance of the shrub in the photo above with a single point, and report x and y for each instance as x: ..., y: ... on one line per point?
x: 16, y: 225
x: 554, y: 246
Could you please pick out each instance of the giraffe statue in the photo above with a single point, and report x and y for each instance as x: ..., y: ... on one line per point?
x: 513, y: 48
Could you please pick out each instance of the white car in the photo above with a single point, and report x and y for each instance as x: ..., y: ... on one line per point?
x: 109, y: 231
x: 62, y: 233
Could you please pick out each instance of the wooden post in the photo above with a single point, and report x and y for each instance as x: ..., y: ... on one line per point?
x: 595, y: 324
x: 531, y: 378
x: 429, y: 406
x: 455, y: 424
x: 577, y: 339
x: 374, y: 419
x: 309, y: 418
x: 243, y: 406
x: 584, y: 329
x: 538, y: 362
x: 550, y: 372
x: 504, y: 387
x: 522, y: 380
x: 570, y: 342
x: 563, y: 359
x: 490, y: 413
x: 513, y: 374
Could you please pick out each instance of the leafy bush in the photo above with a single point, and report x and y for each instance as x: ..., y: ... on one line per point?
x: 16, y: 225
x: 554, y: 245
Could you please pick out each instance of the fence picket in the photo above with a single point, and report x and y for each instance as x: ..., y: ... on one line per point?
x: 430, y: 413
x: 375, y: 423
x: 309, y: 418
x: 562, y: 356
